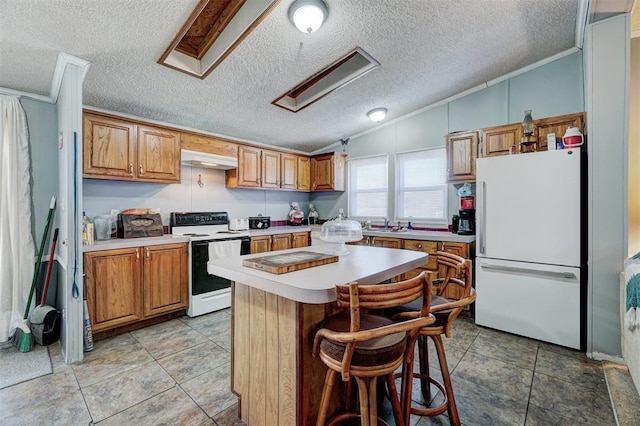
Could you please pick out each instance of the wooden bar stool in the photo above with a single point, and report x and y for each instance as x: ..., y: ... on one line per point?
x: 457, y: 271
x: 366, y: 346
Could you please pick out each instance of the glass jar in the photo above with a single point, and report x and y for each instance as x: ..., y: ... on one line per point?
x: 527, y: 123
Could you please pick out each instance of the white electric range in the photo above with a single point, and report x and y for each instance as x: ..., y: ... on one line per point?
x: 208, y: 233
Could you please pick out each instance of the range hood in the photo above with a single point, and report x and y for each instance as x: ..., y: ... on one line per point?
x: 210, y: 161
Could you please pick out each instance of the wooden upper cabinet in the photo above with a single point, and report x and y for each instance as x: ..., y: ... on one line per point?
x: 288, y: 171
x: 249, y: 172
x: 209, y: 144
x: 557, y: 125
x: 120, y: 149
x: 499, y: 140
x: 304, y: 174
x: 462, y: 151
x: 108, y: 148
x: 270, y: 169
x: 328, y: 172
x: 158, y: 154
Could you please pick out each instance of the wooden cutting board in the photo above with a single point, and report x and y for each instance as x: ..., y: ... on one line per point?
x: 289, y: 262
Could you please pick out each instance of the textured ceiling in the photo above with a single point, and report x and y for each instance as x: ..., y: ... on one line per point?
x: 428, y: 50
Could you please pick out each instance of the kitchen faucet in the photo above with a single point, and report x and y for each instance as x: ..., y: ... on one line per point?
x: 386, y: 223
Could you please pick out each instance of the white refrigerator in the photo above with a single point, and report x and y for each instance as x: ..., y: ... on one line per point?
x: 528, y: 237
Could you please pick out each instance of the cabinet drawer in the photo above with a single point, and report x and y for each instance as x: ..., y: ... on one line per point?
x: 430, y: 247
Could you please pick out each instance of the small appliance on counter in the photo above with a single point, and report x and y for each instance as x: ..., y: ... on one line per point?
x: 467, y: 220
x: 139, y: 225
x: 238, y: 224
x: 259, y: 222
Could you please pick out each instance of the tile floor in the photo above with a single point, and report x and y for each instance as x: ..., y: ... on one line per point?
x: 178, y: 373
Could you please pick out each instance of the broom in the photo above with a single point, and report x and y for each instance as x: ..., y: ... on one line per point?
x: 22, y: 339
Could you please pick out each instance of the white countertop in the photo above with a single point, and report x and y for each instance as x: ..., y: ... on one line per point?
x: 279, y: 230
x: 120, y: 243
x: 367, y: 265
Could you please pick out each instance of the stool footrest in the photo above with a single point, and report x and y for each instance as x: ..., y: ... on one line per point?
x: 431, y: 411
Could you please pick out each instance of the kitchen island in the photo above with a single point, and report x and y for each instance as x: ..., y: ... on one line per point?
x: 274, y: 321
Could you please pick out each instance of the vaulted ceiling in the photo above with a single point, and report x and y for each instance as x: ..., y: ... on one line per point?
x: 428, y: 50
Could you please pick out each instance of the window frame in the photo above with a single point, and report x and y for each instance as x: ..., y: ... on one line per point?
x: 351, y: 191
x: 399, y: 193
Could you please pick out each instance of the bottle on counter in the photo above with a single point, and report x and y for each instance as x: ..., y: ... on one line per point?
x: 85, y: 238
x: 87, y: 230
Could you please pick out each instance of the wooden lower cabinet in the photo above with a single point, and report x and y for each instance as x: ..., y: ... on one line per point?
x: 129, y: 285
x: 280, y: 242
x: 385, y: 242
x: 266, y: 243
x: 300, y: 239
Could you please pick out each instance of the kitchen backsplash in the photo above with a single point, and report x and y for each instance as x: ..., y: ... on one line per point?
x: 100, y: 196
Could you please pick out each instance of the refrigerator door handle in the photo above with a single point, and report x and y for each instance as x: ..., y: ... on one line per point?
x: 549, y: 274
x: 483, y: 220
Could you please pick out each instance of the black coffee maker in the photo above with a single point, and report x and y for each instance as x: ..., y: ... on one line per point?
x: 467, y: 221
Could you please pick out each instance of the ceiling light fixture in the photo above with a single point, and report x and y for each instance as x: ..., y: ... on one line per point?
x: 308, y: 15
x: 377, y: 114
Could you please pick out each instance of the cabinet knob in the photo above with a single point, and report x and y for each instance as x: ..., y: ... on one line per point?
x: 147, y: 252
x: 419, y: 246
x: 131, y: 169
x: 137, y: 254
x: 141, y: 170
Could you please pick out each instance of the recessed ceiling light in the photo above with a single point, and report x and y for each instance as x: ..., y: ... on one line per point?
x: 308, y: 15
x: 377, y: 114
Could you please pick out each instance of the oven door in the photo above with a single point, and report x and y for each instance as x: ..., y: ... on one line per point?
x: 201, y: 281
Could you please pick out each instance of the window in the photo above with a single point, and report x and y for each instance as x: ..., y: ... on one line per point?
x: 422, y: 189
x: 368, y: 182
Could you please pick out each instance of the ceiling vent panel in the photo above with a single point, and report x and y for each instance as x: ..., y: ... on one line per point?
x: 343, y: 71
x: 214, y: 29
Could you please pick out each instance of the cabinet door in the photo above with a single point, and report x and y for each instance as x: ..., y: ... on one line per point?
x: 304, y: 174
x: 114, y: 287
x: 386, y: 242
x: 459, y: 249
x: 260, y: 244
x: 299, y: 239
x: 363, y: 242
x: 430, y: 247
x: 108, y: 148
x: 328, y: 172
x: 270, y: 169
x: 557, y: 125
x: 454, y: 292
x: 158, y: 155
x: 165, y: 278
x: 499, y: 140
x: 288, y: 171
x: 280, y: 242
x: 249, y: 167
x: 462, y: 151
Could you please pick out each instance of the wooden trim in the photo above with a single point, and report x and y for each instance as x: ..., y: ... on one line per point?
x: 181, y: 33
x: 138, y: 325
x: 221, y: 23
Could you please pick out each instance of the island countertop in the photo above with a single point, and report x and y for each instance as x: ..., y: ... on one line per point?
x: 366, y: 265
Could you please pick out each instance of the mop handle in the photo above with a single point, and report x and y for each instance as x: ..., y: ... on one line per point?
x: 44, y: 241
x: 49, y: 267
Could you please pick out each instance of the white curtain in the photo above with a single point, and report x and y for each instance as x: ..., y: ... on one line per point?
x: 17, y: 250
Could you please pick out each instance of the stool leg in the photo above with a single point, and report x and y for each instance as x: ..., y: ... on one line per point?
x: 327, y: 391
x: 365, y: 401
x: 405, y: 393
x: 393, y: 397
x: 423, y: 355
x: 446, y: 378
